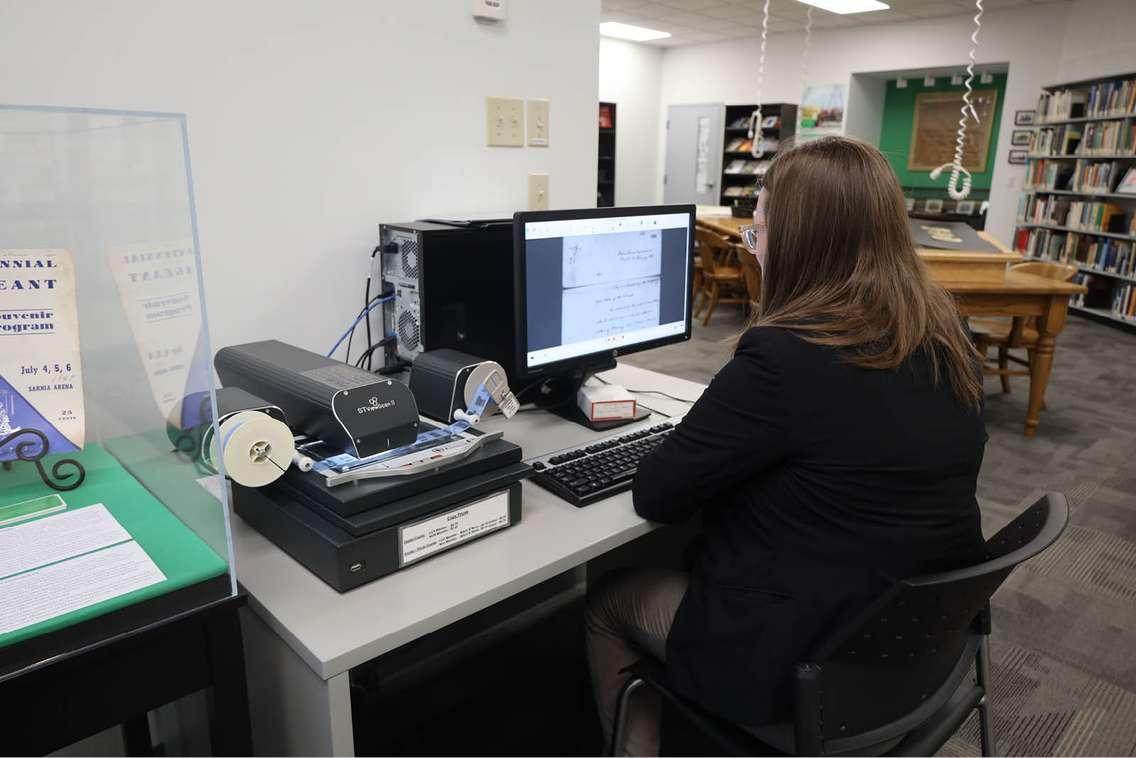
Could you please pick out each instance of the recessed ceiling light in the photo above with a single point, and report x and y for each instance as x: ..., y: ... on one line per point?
x: 633, y: 33
x: 847, y: 6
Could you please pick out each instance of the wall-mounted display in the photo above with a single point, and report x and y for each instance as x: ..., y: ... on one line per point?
x: 1019, y: 156
x: 1021, y: 137
x: 1025, y: 118
x: 822, y: 111
x: 935, y: 128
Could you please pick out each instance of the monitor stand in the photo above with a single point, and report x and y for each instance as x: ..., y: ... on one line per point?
x: 564, y: 399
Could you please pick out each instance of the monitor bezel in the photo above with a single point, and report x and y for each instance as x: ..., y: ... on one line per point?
x: 604, y: 357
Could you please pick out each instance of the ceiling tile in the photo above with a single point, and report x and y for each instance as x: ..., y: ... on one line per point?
x: 934, y: 10
x: 693, y: 20
x: 623, y: 5
x: 692, y: 5
x: 702, y: 38
x: 734, y: 11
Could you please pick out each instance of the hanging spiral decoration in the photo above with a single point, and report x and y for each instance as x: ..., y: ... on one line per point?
x: 954, y: 189
x: 757, y: 146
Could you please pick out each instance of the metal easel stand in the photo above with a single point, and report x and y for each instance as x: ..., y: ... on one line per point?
x: 58, y: 477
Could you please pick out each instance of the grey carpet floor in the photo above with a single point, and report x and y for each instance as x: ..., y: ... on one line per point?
x: 1064, y: 645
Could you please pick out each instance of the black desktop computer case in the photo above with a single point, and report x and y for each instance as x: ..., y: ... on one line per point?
x: 454, y: 288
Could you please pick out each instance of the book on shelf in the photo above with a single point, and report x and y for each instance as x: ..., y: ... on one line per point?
x: 1107, y: 138
x: 1094, y: 177
x: 606, y: 120
x: 1049, y: 175
x: 1098, y: 253
x: 1096, y: 217
x: 1117, y: 98
x: 1124, y: 301
x: 741, y: 122
x: 1062, y: 104
x: 1127, y: 184
x: 736, y: 166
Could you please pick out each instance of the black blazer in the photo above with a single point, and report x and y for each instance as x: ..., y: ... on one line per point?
x: 820, y: 483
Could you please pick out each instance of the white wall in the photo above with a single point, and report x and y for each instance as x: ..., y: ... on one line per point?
x: 310, y: 122
x: 630, y: 77
x: 1023, y: 37
x: 1100, y: 38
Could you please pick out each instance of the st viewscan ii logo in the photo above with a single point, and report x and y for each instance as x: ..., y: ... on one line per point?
x: 374, y: 405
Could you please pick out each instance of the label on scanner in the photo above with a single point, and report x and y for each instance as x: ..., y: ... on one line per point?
x: 424, y: 538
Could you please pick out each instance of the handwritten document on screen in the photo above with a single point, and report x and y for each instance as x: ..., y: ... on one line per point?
x: 611, y: 284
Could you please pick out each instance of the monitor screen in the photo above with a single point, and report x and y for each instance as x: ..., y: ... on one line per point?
x: 604, y: 281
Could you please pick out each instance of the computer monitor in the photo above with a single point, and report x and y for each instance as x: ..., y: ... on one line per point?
x: 598, y: 283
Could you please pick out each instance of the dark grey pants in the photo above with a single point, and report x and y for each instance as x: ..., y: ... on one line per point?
x: 629, y: 616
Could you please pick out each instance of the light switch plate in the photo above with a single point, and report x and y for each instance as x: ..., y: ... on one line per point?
x: 538, y: 191
x: 537, y: 121
x: 505, y: 122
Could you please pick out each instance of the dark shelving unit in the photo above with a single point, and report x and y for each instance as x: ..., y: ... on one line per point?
x: 786, y: 128
x: 605, y: 170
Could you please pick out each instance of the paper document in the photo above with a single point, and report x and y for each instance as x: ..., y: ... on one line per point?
x: 56, y: 538
x: 41, y: 380
x: 60, y: 588
x: 604, y: 310
x: 596, y: 258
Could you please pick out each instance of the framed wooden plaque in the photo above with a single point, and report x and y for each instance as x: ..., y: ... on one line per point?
x: 936, y: 125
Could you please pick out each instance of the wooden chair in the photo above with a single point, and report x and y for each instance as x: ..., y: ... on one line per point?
x: 1018, y: 332
x: 721, y: 274
x: 751, y: 273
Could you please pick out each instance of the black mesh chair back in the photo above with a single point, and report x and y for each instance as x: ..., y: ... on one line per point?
x: 891, y: 681
x: 902, y: 659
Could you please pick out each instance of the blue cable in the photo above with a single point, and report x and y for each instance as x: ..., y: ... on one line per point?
x: 379, y: 300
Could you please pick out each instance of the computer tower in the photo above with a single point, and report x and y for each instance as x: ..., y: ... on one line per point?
x: 453, y: 288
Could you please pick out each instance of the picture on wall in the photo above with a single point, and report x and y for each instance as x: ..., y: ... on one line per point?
x: 821, y: 112
x: 1025, y: 118
x: 936, y: 125
x: 1021, y: 137
x: 1019, y: 156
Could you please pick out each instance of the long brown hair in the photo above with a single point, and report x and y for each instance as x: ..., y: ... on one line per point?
x: 841, y: 268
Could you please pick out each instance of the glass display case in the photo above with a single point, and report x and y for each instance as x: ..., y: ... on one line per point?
x: 109, y: 519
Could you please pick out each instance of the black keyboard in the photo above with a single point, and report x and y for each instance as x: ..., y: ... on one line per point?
x: 591, y: 473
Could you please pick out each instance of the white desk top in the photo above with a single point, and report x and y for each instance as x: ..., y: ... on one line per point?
x: 334, y: 632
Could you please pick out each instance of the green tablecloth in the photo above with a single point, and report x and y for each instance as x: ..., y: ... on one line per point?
x: 182, y: 556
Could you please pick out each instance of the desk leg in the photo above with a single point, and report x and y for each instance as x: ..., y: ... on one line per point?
x: 294, y: 711
x: 228, y: 698
x: 1048, y: 326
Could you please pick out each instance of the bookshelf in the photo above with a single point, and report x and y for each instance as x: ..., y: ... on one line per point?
x: 740, y: 170
x: 1078, y: 205
x: 605, y: 170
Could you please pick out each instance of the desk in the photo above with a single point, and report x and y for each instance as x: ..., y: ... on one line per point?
x: 302, y: 638
x: 993, y: 291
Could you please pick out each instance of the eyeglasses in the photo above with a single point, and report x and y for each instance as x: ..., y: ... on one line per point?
x: 749, y: 236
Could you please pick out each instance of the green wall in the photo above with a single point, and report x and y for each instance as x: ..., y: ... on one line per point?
x: 899, y: 119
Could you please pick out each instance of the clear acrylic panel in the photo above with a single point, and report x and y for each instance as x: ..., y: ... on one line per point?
x: 105, y: 382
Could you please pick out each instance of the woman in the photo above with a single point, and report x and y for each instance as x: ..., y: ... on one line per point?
x: 835, y: 453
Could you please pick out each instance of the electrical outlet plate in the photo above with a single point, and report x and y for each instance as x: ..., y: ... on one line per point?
x: 505, y: 122
x: 537, y: 121
x: 538, y: 191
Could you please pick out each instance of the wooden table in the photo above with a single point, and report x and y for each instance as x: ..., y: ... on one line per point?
x: 991, y: 290
x: 1021, y: 294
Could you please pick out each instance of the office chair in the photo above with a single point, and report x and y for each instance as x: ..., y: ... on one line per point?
x: 891, y: 681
